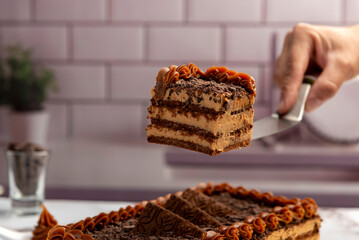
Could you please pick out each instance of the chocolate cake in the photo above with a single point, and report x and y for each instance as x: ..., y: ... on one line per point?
x: 209, y: 112
x: 206, y: 212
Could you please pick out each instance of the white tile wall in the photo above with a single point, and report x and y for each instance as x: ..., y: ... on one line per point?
x: 351, y: 9
x: 144, y: 10
x: 249, y: 44
x: 317, y: 11
x: 184, y: 43
x: 224, y: 11
x: 133, y: 82
x: 69, y: 10
x: 58, y: 125
x: 18, y: 10
x: 48, y: 42
x: 79, y: 82
x: 108, y: 43
x: 106, y: 53
x: 108, y: 121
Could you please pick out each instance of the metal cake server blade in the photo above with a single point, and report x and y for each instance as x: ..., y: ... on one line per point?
x: 275, y: 123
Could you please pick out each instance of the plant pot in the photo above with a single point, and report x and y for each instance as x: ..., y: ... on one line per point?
x: 31, y: 126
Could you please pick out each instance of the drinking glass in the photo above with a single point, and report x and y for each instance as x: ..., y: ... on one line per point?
x: 27, y: 171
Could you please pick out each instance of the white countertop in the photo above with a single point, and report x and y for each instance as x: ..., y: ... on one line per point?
x: 338, y: 223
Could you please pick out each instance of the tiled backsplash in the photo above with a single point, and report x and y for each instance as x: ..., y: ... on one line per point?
x: 106, y: 53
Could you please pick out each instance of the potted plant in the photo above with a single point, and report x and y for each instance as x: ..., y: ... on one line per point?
x: 26, y: 89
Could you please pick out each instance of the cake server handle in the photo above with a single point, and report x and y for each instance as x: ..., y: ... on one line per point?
x: 276, y: 123
x: 297, y: 111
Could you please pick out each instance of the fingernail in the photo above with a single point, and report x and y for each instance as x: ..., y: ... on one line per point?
x: 312, y: 104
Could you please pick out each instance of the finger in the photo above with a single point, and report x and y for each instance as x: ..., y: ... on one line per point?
x: 325, y: 87
x: 290, y: 69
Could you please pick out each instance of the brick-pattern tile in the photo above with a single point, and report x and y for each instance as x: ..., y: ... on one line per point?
x: 58, y: 125
x: 144, y: 10
x: 48, y: 42
x: 133, y: 82
x: 69, y: 10
x: 15, y: 10
x: 184, y: 43
x: 224, y: 11
x: 108, y: 43
x: 79, y: 82
x: 304, y: 11
x: 352, y: 8
x: 108, y: 121
x: 248, y: 44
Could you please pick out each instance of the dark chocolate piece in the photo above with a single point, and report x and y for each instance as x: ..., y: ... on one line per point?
x: 190, y: 212
x: 207, y: 204
x: 156, y: 220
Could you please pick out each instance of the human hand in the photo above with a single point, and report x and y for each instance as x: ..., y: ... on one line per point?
x: 331, y: 52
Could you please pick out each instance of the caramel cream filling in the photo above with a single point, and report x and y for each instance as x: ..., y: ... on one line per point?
x: 208, y: 100
x: 220, y: 144
x: 296, y: 231
x: 225, y: 123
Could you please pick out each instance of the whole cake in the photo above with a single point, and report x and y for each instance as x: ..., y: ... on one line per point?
x: 210, y: 112
x: 206, y: 212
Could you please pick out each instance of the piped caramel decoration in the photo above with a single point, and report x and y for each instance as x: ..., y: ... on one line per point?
x: 223, y: 75
x: 184, y: 72
x: 297, y: 210
x: 45, y: 223
x: 195, y: 71
x: 245, y: 229
x: 89, y: 224
x: 283, y: 214
x: 258, y: 224
x: 212, y: 235
x: 267, y: 197
x: 309, y: 209
x: 270, y: 219
x: 230, y: 233
x: 161, y: 85
x: 172, y: 74
x: 255, y: 195
x: 101, y: 220
x: 113, y: 217
x: 311, y: 201
x: 223, y: 187
x: 240, y: 192
x: 64, y: 233
x: 78, y: 226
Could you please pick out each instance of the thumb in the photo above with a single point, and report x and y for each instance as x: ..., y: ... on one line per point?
x: 325, y: 87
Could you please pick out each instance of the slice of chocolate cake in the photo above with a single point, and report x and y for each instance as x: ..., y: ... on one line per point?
x: 209, y: 112
x: 206, y: 212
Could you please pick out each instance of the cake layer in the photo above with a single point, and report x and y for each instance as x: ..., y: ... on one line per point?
x: 195, y: 147
x: 209, y: 94
x: 189, y: 130
x: 240, y: 135
x: 217, y: 125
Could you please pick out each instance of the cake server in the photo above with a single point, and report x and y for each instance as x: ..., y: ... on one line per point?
x: 276, y: 123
